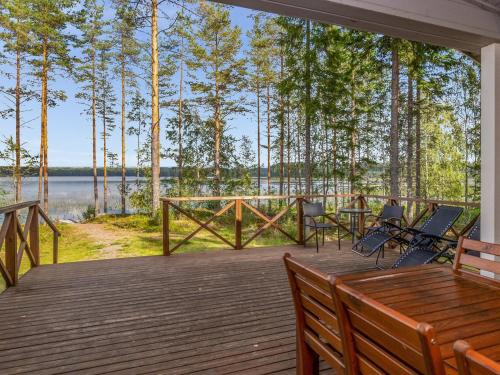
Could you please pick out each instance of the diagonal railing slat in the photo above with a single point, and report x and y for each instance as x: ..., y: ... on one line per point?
x: 28, y: 236
x: 271, y: 222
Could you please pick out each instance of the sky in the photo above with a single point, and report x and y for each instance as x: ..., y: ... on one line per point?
x: 69, y: 131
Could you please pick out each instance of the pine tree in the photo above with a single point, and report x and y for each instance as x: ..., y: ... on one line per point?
x: 91, y: 25
x: 394, y: 132
x: 214, y: 49
x: 256, y: 58
x: 15, y: 21
x: 105, y: 108
x: 139, y: 117
x: 155, y: 111
x: 49, y: 19
x: 127, y: 54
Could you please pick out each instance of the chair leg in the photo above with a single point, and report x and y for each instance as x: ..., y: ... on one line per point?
x: 338, y: 237
x: 307, y: 361
x: 323, y: 236
x: 317, y: 242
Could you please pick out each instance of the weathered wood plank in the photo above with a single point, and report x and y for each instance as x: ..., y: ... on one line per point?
x: 217, y: 312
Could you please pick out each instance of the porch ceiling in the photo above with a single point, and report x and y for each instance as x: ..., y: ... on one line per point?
x: 466, y: 25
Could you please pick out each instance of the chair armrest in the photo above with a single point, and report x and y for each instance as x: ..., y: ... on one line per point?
x: 310, y: 217
x: 438, y: 238
x: 395, y: 226
x: 413, y: 231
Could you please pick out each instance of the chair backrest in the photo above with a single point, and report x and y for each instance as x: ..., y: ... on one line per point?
x: 441, y: 220
x: 389, y: 212
x: 315, y: 308
x: 313, y: 209
x: 380, y: 340
x: 475, y: 231
x: 470, y: 362
x: 470, y: 264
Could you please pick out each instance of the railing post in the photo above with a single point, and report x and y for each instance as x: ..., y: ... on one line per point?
x: 55, y: 248
x: 300, y: 220
x: 361, y: 217
x: 238, y: 223
x: 11, y: 248
x: 34, y: 233
x: 166, y: 228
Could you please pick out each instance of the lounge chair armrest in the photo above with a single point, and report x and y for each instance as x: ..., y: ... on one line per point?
x: 413, y: 231
x: 436, y: 237
x: 395, y: 226
x: 392, y: 218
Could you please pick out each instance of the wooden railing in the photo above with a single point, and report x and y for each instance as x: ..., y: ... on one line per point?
x: 271, y: 221
x: 29, y: 238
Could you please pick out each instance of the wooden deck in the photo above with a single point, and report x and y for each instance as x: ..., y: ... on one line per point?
x: 212, y: 313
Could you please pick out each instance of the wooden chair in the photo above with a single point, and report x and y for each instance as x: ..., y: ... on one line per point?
x: 472, y: 265
x: 318, y: 333
x: 379, y: 340
x: 470, y: 362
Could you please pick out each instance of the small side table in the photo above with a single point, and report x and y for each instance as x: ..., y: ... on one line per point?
x: 354, y: 215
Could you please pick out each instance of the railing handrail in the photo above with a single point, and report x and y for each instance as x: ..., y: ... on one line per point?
x: 48, y: 221
x: 312, y: 196
x: 271, y: 222
x: 17, y: 206
x: 12, y: 231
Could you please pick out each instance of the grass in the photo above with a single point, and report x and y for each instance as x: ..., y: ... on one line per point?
x: 146, y: 237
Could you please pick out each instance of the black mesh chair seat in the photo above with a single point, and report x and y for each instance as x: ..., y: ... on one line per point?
x: 416, y: 256
x: 313, y: 213
x: 321, y: 225
x: 423, y: 246
x: 372, y: 242
x: 377, y: 236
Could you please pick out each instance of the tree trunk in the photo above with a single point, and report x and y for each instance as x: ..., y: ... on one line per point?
x: 180, y: 121
x: 17, y: 168
x: 334, y: 163
x: 409, y: 146
x: 298, y: 160
x: 418, y: 192
x: 288, y: 149
x: 124, y: 178
x: 282, y: 130
x: 138, y: 155
x: 218, y: 131
x: 394, y: 136
x: 352, y: 176
x: 155, y: 109
x: 94, y: 130
x: 308, y: 111
x: 268, y: 100
x: 44, y: 126
x: 258, y: 139
x: 105, y: 156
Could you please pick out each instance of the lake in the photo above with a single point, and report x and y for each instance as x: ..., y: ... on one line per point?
x: 69, y: 196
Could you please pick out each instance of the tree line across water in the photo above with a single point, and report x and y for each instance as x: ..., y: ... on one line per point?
x: 326, y: 103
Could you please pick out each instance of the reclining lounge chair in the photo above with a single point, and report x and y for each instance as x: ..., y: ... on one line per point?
x: 422, y: 246
x: 388, y: 228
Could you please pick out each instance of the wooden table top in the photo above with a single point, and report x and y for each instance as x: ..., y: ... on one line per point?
x: 459, y: 307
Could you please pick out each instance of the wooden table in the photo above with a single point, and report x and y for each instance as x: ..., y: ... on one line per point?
x: 459, y: 307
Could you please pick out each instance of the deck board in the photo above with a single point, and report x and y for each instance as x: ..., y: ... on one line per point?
x: 224, y: 312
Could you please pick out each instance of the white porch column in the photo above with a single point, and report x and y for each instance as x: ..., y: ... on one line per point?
x: 490, y: 144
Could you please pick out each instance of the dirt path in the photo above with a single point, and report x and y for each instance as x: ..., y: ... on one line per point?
x: 109, y: 239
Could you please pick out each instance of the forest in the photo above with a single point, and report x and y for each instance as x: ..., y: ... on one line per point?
x: 333, y: 110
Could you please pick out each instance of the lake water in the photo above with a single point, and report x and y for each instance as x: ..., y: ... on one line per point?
x: 69, y: 196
